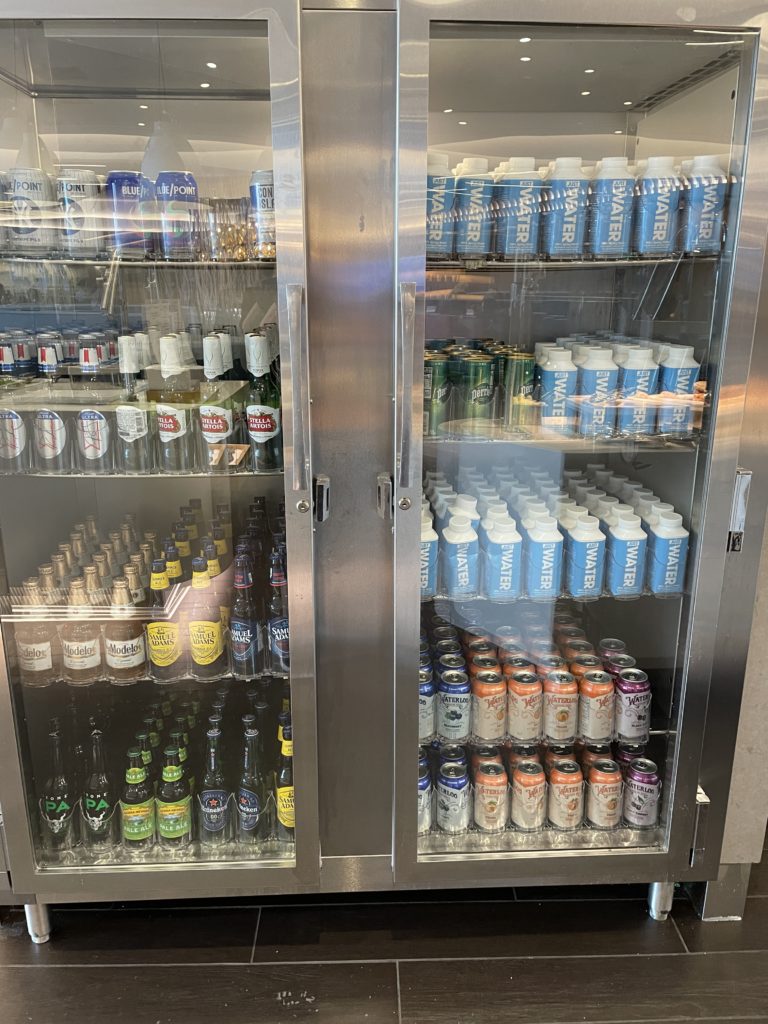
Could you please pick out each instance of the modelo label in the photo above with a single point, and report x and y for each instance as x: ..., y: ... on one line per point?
x: 132, y: 423
x: 453, y: 715
x: 249, y: 808
x: 93, y: 434
x: 641, y: 804
x: 703, y: 215
x: 557, y: 389
x: 502, y: 574
x: 245, y: 640
x: 524, y: 716
x: 460, y: 567
x: 163, y: 642
x: 50, y: 434
x: 129, y: 653
x: 656, y: 216
x: 473, y: 206
x: 213, y: 809
x: 560, y: 716
x: 518, y: 204
x: 81, y: 654
x: 544, y: 568
x: 586, y: 567
x: 596, y: 717
x: 171, y: 422
x: 633, y: 716
x: 565, y: 220
x: 13, y: 434
x: 428, y: 562
x: 286, y: 809
x: 34, y: 657
x: 138, y: 820
x: 597, y: 411
x: 263, y: 422
x: 610, y: 228
x: 441, y: 193
x: 637, y: 417
x: 174, y: 819
x: 215, y: 423
x: 626, y: 566
x: 205, y: 641
x: 667, y: 559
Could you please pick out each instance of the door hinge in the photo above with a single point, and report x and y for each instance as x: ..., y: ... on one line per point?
x: 739, y: 510
x: 699, y: 844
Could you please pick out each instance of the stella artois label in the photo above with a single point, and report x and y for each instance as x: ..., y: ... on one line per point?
x: 171, y: 422
x: 215, y: 423
x: 263, y: 422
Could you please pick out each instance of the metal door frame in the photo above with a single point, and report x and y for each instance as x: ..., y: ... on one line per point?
x: 618, y: 865
x: 213, y: 878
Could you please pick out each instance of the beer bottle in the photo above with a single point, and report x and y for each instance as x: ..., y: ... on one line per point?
x: 174, y: 803
x: 218, y: 415
x: 224, y: 515
x: 220, y: 541
x: 278, y: 631
x: 79, y: 552
x: 214, y: 795
x: 105, y: 578
x: 80, y: 640
x: 147, y: 758
x: 175, y: 429
x: 108, y: 551
x: 137, y: 561
x: 251, y: 803
x: 246, y: 642
x: 147, y: 552
x: 167, y: 652
x: 150, y: 537
x: 206, y: 637
x: 182, y: 542
x: 52, y: 440
x: 134, y: 442
x: 173, y: 565
x: 120, y: 552
x: 190, y: 522
x: 50, y: 596
x: 196, y: 504
x: 58, y: 801
x: 137, y: 805
x: 98, y: 802
x: 180, y: 739
x: 124, y: 646
x: 74, y: 571
x: 286, y: 813
x: 263, y: 407
x: 135, y: 589
x: 92, y: 533
x: 35, y: 640
x: 93, y: 427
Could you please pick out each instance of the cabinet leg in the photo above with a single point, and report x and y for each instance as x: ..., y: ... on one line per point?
x: 660, y: 896
x: 38, y: 922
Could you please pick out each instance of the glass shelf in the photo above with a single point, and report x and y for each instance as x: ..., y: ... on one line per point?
x: 460, y: 432
x: 510, y: 841
x: 146, y: 264
x: 515, y: 266
x: 244, y: 475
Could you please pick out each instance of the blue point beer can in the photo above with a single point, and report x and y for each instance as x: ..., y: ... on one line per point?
x: 125, y: 193
x: 177, y: 201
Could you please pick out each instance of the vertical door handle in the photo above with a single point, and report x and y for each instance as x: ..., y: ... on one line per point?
x: 404, y: 382
x: 298, y: 351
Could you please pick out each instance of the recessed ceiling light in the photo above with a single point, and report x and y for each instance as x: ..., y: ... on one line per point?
x: 462, y: 122
x: 525, y: 39
x: 586, y: 92
x: 448, y: 110
x: 205, y: 85
x: 618, y: 132
x: 142, y: 124
x: 525, y: 59
x: 589, y: 71
x: 627, y: 103
x: 143, y: 106
x: 211, y: 65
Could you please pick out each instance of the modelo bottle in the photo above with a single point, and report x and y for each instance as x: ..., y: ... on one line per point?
x: 503, y: 562
x: 627, y: 545
x: 564, y: 225
x: 704, y: 206
x: 441, y: 195
x: 598, y: 378
x: 558, y: 377
x: 667, y: 555
x: 428, y: 558
x: 678, y: 374
x: 585, y: 560
x: 611, y: 205
x: 656, y: 208
x: 459, y: 557
x: 517, y: 210
x: 474, y: 195
x: 638, y: 382
x: 544, y: 560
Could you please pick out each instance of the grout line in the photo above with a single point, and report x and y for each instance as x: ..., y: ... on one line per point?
x: 399, y: 1000
x: 255, y: 936
x: 679, y: 933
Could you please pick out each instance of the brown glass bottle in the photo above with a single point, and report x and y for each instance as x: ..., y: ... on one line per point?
x: 208, y: 655
x: 35, y: 641
x: 138, y: 594
x: 125, y: 651
x: 49, y: 594
x: 93, y: 587
x: 80, y: 640
x: 102, y: 568
x: 165, y: 641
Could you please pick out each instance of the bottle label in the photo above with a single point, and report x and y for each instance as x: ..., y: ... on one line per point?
x: 557, y: 388
x: 703, y: 216
x: 565, y: 206
x: 57, y: 813
x: 279, y: 634
x: 245, y: 641
x: 611, y: 204
x: 441, y: 192
x: 132, y: 423
x: 34, y: 657
x: 206, y: 643
x: 173, y: 570
x: 668, y: 556
x: 13, y: 434
x: 286, y: 747
x: 597, y: 406
x: 213, y: 813
x: 97, y: 811
x: 250, y: 809
x: 517, y: 225
x: 544, y: 568
x: 138, y: 820
x: 93, y: 434
x: 183, y: 548
x: 50, y: 434
x: 636, y: 414
x: 128, y: 653
x: 473, y: 220
x: 586, y: 567
x: 626, y: 566
x: 286, y: 811
x: 263, y: 422
x: 656, y: 215
x: 171, y: 422
x: 81, y: 654
x: 460, y: 567
x: 428, y: 568
x: 215, y: 423
x: 503, y: 570
x: 163, y: 642
x: 174, y: 819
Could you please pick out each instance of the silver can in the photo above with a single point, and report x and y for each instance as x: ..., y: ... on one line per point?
x: 604, y: 795
x: 642, y: 792
x: 262, y: 191
x: 566, y: 796
x: 529, y: 796
x: 78, y: 194
x: 425, y: 801
x: 454, y: 710
x: 453, y: 798
x: 34, y: 212
x: 491, y: 801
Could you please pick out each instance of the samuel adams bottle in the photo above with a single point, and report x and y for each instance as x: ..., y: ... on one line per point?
x: 286, y: 812
x: 164, y: 640
x: 206, y: 636
x: 244, y: 625
x: 278, y: 630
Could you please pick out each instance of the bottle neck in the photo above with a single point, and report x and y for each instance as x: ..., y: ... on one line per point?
x: 97, y: 754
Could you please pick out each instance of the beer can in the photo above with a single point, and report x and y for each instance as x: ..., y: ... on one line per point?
x: 178, y: 205
x: 477, y: 387
x: 489, y: 707
x: 633, y: 706
x: 34, y: 212
x: 547, y: 663
x: 453, y: 798
x: 452, y: 753
x: 425, y: 801
x: 604, y: 795
x: 447, y: 646
x: 524, y: 707
x: 480, y: 645
x: 518, y: 663
x: 437, y: 390
x: 78, y: 193
x: 566, y: 631
x: 610, y: 645
x: 592, y: 752
x: 486, y: 753
x: 529, y: 796
x: 512, y: 650
x: 642, y: 790
x: 556, y: 752
x: 491, y: 798
x: 507, y: 636
x: 444, y: 632
x: 262, y: 193
x: 626, y: 753
x: 426, y: 708
x: 454, y: 707
x: 585, y: 663
x: 577, y: 649
x: 596, y: 704
x: 561, y: 702
x: 483, y: 663
x: 565, y: 805
x: 450, y: 663
x: 520, y: 409
x: 126, y: 192
x: 518, y: 752
x: 618, y: 663
x: 476, y: 632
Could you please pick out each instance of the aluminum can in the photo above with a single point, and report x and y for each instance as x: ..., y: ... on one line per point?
x: 426, y: 707
x: 34, y: 212
x: 585, y: 663
x: 596, y: 707
x: 477, y: 387
x: 529, y: 796
x: 178, y: 206
x: 594, y: 752
x: 619, y: 664
x: 262, y: 193
x: 450, y: 663
x: 520, y: 409
x: 454, y: 707
x: 633, y: 706
x: 565, y: 632
x: 124, y: 192
x: 610, y: 645
x: 511, y: 650
x: 453, y: 798
x: 626, y: 753
x: 486, y: 753
x: 642, y: 790
x: 524, y: 707
x: 491, y: 800
x: 506, y: 636
x: 425, y: 801
x: 604, y: 795
x: 472, y: 633
x: 437, y: 392
x: 483, y: 663
x: 565, y: 805
x: 480, y: 645
x: 518, y: 663
x: 489, y: 707
x: 577, y: 649
x: 447, y: 646
x: 522, y: 752
x: 445, y: 633
x: 554, y: 753
x: 452, y: 753
x: 561, y: 707
x: 78, y: 193
x: 547, y: 663
x: 423, y: 757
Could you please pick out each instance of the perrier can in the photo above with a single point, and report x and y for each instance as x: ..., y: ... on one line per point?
x: 477, y: 387
x: 437, y: 390
x: 520, y: 409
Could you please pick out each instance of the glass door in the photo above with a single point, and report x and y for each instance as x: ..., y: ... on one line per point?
x: 564, y: 302
x: 156, y: 546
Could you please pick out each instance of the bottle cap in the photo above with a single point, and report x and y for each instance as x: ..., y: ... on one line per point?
x: 559, y: 359
x: 475, y: 165
x: 213, y: 358
x: 660, y: 164
x: 566, y: 163
x: 258, y: 354
x: 459, y: 523
x: 129, y: 354
x: 226, y: 349
x: 438, y: 162
x: 170, y: 356
x: 466, y: 503
x: 521, y: 164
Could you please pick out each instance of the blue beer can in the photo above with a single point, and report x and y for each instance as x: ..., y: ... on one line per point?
x: 124, y: 196
x: 177, y: 201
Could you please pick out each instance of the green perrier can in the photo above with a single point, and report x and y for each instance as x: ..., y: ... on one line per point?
x: 477, y: 387
x: 437, y: 390
x: 520, y: 408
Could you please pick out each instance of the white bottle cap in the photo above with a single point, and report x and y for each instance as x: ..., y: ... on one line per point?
x: 475, y: 165
x: 213, y: 359
x: 644, y: 494
x: 629, y: 489
x: 545, y: 528
x: 567, y: 164
x: 591, y: 499
x: 170, y: 356
x: 624, y: 513
x: 660, y: 165
x: 559, y: 359
x: 599, y: 358
x: 679, y: 355
x: 708, y: 164
x: 669, y: 522
x: 541, y: 349
x: 438, y: 162
x: 466, y: 504
x: 661, y: 506
x: 497, y: 510
x: 128, y: 354
x: 628, y: 521
x: 504, y: 531
x: 226, y: 350
x: 617, y: 162
x: 606, y: 505
x: 639, y: 357
x: 586, y: 526
x: 258, y: 354
x: 521, y: 164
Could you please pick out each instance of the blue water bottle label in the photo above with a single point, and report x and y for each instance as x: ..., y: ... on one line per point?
x: 638, y: 416
x: 557, y: 388
x: 585, y: 560
x: 428, y: 568
x: 461, y: 568
x: 610, y: 221
x: 626, y: 566
x: 473, y: 209
x: 656, y: 216
x: 703, y: 214
x: 544, y: 569
x: 667, y: 558
x: 597, y: 406
x: 565, y: 218
x: 441, y: 193
x: 680, y: 380
x: 502, y: 577
x: 518, y: 207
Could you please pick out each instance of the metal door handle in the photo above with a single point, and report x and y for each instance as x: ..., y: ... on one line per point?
x: 404, y: 382
x: 298, y: 352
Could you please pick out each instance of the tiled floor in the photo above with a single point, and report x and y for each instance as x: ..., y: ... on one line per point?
x: 556, y: 956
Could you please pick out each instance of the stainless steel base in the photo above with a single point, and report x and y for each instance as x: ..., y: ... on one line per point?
x: 724, y: 898
x: 660, y: 896
x: 38, y: 922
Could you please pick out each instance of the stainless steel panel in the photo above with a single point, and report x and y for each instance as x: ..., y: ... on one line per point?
x: 349, y: 139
